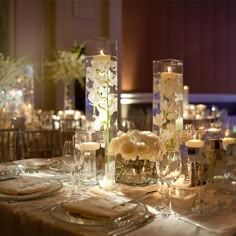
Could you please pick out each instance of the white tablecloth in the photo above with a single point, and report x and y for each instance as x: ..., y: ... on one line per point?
x: 24, y: 218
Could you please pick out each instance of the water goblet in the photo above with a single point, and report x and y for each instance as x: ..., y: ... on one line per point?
x: 168, y: 168
x: 87, y: 143
x: 79, y: 159
x: 69, y: 161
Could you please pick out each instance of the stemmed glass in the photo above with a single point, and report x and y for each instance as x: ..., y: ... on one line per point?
x: 79, y: 159
x: 69, y: 161
x: 87, y: 143
x: 168, y: 168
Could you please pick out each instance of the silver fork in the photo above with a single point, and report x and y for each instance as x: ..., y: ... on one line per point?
x: 139, y: 198
x: 130, y: 227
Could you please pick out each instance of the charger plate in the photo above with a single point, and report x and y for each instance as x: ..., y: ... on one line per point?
x: 54, y: 186
x: 37, y: 163
x: 136, y: 214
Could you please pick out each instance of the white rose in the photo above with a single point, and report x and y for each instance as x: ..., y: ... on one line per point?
x: 128, y: 150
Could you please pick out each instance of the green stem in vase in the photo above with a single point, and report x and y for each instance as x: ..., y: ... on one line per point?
x: 107, y: 127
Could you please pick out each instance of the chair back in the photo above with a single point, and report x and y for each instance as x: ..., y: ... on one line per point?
x: 67, y: 124
x: 9, y: 145
x: 41, y: 143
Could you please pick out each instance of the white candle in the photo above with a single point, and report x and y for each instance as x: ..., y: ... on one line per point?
x: 194, y: 143
x: 89, y: 146
x: 226, y: 141
x: 102, y: 57
x: 169, y: 74
x: 213, y: 130
x: 179, y: 123
x: 186, y: 96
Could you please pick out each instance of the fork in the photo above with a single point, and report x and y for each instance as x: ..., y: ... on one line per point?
x: 139, y: 198
x: 130, y: 227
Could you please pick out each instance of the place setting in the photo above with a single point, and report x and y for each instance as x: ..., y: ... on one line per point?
x: 23, y: 188
x: 35, y: 164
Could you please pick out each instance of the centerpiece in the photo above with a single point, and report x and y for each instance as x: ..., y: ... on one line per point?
x: 101, y: 93
x: 16, y: 88
x: 168, y: 121
x: 136, y: 153
x: 168, y: 102
x: 68, y: 67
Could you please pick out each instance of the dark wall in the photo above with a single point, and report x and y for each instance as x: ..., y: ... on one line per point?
x: 202, y: 33
x: 4, y: 38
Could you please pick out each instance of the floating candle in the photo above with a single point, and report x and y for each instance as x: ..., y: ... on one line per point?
x: 194, y: 143
x: 213, y: 130
x: 169, y: 74
x: 102, y: 57
x: 90, y: 146
x: 227, y: 141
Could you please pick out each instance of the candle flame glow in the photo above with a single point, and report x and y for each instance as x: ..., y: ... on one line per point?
x: 169, y: 69
x: 102, y: 53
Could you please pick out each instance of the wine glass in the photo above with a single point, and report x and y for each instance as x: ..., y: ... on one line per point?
x: 87, y: 143
x: 69, y: 161
x: 168, y: 168
x: 79, y: 159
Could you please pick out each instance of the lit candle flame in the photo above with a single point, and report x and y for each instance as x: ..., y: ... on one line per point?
x: 169, y: 69
x: 102, y: 53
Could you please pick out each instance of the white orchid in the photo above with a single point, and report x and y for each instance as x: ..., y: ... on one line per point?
x: 169, y: 101
x: 101, y: 88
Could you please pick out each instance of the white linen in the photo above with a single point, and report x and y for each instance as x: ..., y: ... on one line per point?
x: 23, y: 185
x: 97, y: 207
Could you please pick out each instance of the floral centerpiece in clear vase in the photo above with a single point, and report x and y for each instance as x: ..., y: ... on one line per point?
x: 16, y: 88
x: 136, y: 153
x: 168, y: 102
x: 101, y: 92
x: 67, y: 66
x: 168, y: 121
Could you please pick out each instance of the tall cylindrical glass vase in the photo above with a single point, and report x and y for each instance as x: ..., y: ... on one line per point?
x: 101, y: 90
x: 168, y: 101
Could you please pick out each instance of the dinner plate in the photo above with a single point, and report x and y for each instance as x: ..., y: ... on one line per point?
x: 136, y: 214
x: 60, y: 168
x: 37, y: 163
x: 53, y: 186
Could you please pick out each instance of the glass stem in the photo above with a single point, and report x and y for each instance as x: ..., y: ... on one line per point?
x: 162, y: 195
x: 169, y: 196
x: 73, y: 180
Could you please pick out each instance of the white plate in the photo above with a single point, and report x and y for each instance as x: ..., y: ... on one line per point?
x: 53, y: 186
x: 136, y: 214
x: 37, y: 163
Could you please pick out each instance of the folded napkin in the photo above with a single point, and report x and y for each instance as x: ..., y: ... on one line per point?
x: 24, y: 185
x: 98, y: 208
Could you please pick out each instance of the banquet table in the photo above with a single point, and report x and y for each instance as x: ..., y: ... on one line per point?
x: 33, y: 217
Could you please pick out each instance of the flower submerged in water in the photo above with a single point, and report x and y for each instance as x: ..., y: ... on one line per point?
x: 133, y: 144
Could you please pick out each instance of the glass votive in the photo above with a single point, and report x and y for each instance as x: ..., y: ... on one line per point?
x: 183, y: 200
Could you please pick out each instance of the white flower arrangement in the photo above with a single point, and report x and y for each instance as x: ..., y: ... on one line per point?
x: 133, y: 144
x: 67, y: 66
x: 12, y: 72
x: 104, y: 77
x: 169, y: 120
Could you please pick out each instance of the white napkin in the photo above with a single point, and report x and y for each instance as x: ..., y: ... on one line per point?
x: 24, y: 185
x: 97, y: 208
